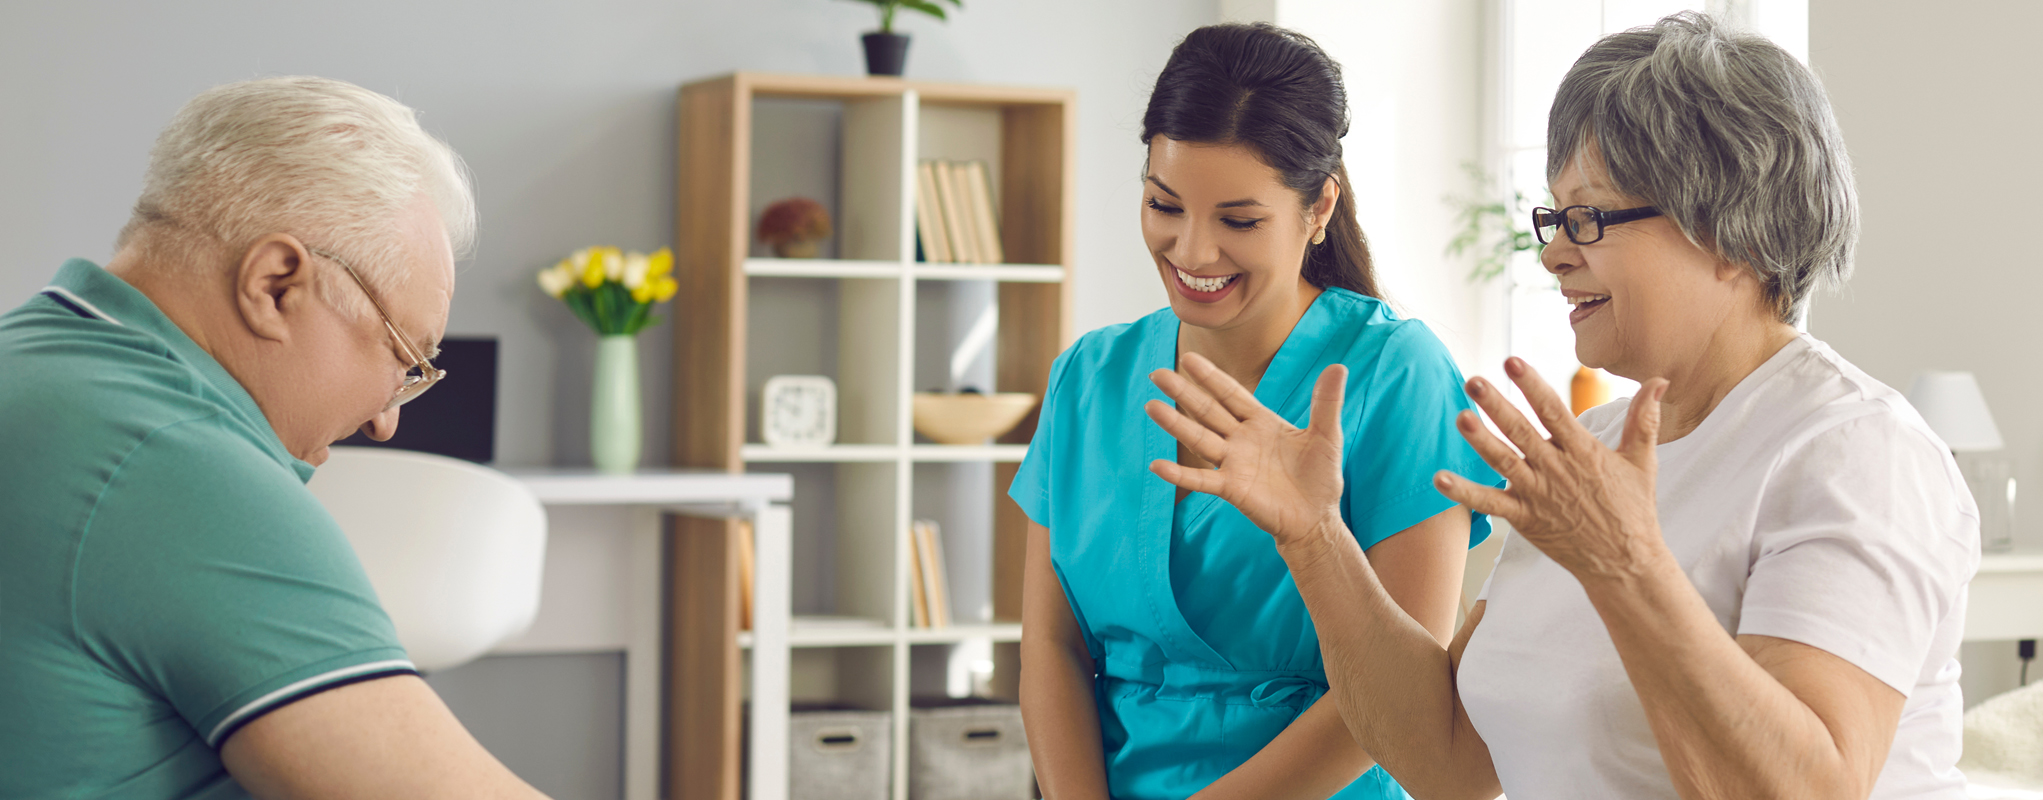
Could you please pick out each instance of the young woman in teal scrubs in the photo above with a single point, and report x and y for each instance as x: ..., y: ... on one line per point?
x: 1167, y: 653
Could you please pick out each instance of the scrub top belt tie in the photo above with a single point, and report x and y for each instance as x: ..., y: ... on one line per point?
x: 1280, y: 691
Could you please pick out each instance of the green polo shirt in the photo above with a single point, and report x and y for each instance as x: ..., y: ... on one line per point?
x: 165, y: 577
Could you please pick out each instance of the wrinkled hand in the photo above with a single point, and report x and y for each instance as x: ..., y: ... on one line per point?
x: 1284, y: 479
x: 1589, y: 508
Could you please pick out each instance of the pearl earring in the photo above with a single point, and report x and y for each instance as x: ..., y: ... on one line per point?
x: 1319, y: 236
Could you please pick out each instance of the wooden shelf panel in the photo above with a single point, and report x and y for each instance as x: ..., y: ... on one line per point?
x: 854, y: 269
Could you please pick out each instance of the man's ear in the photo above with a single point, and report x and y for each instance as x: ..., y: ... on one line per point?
x: 273, y: 285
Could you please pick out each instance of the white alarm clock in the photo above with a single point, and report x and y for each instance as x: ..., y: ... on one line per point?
x: 798, y: 411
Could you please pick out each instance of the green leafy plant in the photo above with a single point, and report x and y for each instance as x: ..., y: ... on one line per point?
x: 1491, y: 229
x: 933, y: 8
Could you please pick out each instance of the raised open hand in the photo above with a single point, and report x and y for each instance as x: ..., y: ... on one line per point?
x: 1284, y: 479
x: 1589, y: 508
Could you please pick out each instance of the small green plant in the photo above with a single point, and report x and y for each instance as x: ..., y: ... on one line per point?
x: 933, y: 8
x: 1490, y: 229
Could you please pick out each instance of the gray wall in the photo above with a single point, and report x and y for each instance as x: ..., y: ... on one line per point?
x: 1940, y: 112
x: 565, y: 113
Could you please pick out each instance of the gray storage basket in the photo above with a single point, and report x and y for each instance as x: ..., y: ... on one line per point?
x: 839, y: 755
x: 968, y: 751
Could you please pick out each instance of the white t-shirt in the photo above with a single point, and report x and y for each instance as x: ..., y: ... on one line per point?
x: 1813, y: 504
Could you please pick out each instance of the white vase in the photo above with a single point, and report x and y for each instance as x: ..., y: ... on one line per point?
x: 615, y: 434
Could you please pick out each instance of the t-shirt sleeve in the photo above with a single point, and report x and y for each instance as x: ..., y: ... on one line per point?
x: 1864, y: 542
x: 1403, y: 434
x: 1031, y: 486
x: 215, y: 580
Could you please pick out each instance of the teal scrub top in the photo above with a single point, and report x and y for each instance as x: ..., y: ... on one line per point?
x: 1202, y: 647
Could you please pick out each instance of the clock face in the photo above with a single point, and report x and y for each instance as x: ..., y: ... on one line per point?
x: 799, y: 411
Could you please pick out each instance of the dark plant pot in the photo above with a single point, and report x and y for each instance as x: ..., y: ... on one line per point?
x: 885, y: 53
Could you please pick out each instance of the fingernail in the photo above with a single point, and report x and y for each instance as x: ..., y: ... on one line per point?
x: 1475, y: 386
x: 1443, y: 480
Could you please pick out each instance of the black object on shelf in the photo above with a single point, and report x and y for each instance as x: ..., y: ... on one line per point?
x: 458, y: 417
x: 885, y: 53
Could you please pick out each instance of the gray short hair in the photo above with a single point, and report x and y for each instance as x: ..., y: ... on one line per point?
x: 1730, y: 136
x: 324, y: 160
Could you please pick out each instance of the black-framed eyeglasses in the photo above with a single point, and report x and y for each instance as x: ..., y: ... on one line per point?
x: 421, y: 375
x: 1584, y: 224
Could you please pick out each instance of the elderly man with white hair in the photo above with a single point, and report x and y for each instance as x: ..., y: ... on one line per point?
x: 179, y: 618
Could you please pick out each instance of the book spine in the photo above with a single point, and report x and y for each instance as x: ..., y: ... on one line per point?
x: 929, y: 225
x: 987, y: 221
x: 957, y: 214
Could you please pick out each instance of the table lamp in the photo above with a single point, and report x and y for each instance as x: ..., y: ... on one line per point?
x: 1956, y: 410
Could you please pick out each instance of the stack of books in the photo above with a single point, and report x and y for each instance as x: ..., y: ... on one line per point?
x: 954, y: 217
x: 931, y: 606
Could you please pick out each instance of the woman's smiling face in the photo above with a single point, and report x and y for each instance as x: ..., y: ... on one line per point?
x: 1646, y: 299
x: 1227, y: 235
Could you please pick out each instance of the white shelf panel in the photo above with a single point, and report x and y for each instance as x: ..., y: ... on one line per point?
x: 821, y: 268
x: 839, y: 636
x: 952, y: 452
x: 850, y: 268
x: 836, y: 453
x: 999, y: 632
x: 1008, y: 273
x: 568, y: 486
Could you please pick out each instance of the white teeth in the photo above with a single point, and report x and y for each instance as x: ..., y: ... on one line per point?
x: 1206, y: 284
x: 1583, y: 301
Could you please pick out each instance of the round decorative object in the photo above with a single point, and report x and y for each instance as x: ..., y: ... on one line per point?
x: 969, y: 418
x: 794, y: 227
x: 798, y: 411
x: 615, y: 434
x: 885, y: 53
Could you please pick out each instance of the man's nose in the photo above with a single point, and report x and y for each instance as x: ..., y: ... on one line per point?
x: 382, y: 426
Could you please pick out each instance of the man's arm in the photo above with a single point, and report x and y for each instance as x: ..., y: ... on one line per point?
x: 389, y: 737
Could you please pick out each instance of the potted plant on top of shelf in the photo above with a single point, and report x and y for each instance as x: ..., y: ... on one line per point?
x: 886, y: 51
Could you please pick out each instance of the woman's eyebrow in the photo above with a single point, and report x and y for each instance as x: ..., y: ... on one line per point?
x: 1161, y: 185
x: 1241, y: 203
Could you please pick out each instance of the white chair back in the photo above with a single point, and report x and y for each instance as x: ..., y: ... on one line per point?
x: 454, y: 549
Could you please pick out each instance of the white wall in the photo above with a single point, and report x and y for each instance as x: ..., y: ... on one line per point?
x: 565, y: 111
x: 1941, y: 111
x: 1413, y: 72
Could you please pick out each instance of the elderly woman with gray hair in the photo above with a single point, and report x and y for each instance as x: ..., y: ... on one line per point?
x: 1746, y: 581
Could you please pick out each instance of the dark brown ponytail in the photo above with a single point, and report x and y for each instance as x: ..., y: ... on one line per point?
x: 1276, y: 92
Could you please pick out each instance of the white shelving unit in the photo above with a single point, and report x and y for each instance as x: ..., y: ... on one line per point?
x: 876, y: 321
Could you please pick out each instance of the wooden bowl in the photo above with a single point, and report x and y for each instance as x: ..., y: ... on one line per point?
x: 969, y: 419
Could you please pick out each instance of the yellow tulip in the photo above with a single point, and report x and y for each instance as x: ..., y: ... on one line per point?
x: 642, y: 292
x: 556, y: 279
x: 592, y: 271
x: 664, y: 288
x: 661, y: 262
x: 613, y: 263
x: 635, y: 268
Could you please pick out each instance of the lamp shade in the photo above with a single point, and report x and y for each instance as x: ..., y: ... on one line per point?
x: 1955, y: 408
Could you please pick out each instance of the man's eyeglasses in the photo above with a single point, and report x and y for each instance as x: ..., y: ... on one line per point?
x: 422, y: 374
x: 1584, y: 224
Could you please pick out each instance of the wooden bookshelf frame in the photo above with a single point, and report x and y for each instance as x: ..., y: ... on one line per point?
x: 1037, y: 177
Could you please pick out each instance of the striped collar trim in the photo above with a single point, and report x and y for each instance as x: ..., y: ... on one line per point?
x: 81, y: 302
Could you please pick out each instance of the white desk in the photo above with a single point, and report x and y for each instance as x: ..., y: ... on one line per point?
x: 2006, y: 598
x: 650, y: 493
